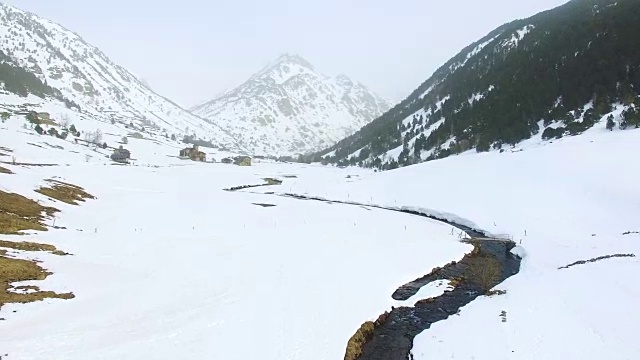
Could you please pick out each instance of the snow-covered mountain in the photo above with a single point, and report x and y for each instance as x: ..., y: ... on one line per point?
x: 555, y: 74
x: 289, y: 108
x: 85, y: 76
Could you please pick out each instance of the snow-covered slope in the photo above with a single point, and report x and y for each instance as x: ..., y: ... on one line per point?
x: 557, y: 73
x: 289, y: 108
x: 223, y: 278
x: 576, y: 199
x: 86, y: 76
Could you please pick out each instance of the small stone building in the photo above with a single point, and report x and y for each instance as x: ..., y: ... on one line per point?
x: 242, y: 160
x: 121, y: 155
x: 193, y: 153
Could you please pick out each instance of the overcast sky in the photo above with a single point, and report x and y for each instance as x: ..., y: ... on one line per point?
x: 191, y: 50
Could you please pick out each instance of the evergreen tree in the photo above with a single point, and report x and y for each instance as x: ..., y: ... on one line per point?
x: 483, y: 144
x: 33, y: 118
x: 610, y: 123
x: 39, y: 129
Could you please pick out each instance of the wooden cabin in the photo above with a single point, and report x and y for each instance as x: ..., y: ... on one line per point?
x: 193, y: 153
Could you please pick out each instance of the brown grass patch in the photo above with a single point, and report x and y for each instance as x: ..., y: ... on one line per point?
x: 425, y: 301
x: 363, y: 335
x: 13, y: 270
x: 67, y: 193
x: 30, y: 246
x: 456, y: 281
x: 18, y: 213
x: 272, y: 181
x: 48, y: 122
x: 484, y: 270
x: 5, y: 171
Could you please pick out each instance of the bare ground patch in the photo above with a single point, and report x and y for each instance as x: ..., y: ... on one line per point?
x: 31, y: 246
x: 18, y: 213
x: 65, y: 192
x: 15, y: 270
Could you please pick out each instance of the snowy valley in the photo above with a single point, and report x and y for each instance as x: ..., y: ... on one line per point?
x: 165, y: 263
x: 131, y: 228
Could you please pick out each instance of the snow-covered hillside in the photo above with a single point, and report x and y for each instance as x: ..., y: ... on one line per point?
x: 557, y: 73
x: 289, y: 108
x: 223, y: 277
x: 575, y: 199
x: 83, y: 74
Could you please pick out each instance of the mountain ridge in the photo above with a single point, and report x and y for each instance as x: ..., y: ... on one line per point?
x: 558, y: 69
x: 288, y: 107
x: 85, y: 75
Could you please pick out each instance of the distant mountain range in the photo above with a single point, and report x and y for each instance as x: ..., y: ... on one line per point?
x: 555, y: 74
x: 289, y: 108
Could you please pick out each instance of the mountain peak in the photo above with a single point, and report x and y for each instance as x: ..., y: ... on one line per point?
x: 289, y: 108
x: 344, y: 80
x: 288, y: 59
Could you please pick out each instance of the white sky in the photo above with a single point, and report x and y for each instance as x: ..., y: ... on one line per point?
x: 191, y: 50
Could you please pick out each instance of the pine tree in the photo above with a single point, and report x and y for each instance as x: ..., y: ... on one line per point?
x: 39, y: 129
x: 483, y: 144
x: 610, y: 123
x: 33, y: 118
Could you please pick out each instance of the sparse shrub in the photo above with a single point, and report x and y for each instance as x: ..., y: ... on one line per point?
x: 64, y: 121
x: 483, y: 270
x: 97, y: 136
